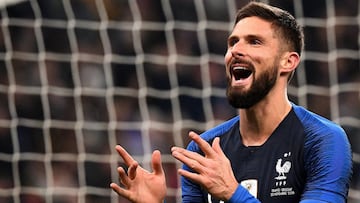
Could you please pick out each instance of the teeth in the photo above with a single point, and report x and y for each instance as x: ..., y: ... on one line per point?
x: 241, y: 72
x: 239, y: 68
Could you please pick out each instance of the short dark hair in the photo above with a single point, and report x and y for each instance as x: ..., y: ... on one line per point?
x: 289, y: 29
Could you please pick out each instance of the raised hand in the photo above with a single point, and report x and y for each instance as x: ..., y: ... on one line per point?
x: 140, y: 185
x: 213, y: 171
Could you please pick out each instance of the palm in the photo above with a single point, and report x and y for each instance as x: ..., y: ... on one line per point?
x: 145, y: 186
x: 140, y: 185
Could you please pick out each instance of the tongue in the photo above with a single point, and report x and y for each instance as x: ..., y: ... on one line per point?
x: 241, y: 73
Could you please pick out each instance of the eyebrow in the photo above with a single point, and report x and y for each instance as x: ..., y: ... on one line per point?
x: 231, y: 37
x: 252, y: 36
x: 247, y: 37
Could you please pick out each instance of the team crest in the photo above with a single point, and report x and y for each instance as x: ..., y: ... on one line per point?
x: 282, y: 167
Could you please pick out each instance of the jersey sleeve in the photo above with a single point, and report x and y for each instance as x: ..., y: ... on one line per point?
x: 241, y: 195
x: 328, y: 161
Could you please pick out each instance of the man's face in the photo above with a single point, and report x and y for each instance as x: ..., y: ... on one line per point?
x: 251, y: 62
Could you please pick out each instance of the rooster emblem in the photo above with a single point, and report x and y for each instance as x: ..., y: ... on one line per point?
x: 282, y: 169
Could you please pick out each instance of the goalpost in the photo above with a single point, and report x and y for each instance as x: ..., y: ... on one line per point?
x: 78, y: 77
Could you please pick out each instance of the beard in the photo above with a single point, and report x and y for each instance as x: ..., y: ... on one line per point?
x: 261, y: 86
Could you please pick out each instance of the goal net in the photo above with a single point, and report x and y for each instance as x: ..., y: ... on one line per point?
x: 78, y: 77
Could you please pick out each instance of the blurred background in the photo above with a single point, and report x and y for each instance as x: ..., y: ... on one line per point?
x: 78, y: 77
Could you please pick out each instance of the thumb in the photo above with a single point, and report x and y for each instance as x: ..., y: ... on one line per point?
x: 156, y: 162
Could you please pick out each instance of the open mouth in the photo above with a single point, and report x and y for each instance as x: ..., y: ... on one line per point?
x: 241, y: 73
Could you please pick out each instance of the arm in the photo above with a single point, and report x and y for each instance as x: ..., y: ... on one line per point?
x: 328, y: 164
x: 141, y: 186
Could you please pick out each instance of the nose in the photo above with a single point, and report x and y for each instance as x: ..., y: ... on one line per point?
x: 237, y: 54
x: 237, y: 50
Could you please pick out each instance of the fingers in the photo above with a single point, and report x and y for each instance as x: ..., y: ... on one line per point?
x: 216, y: 146
x: 192, y: 176
x: 187, y: 157
x: 120, y: 191
x: 210, y: 151
x: 132, y: 170
x: 123, y: 177
x: 156, y: 162
x: 132, y: 164
x: 192, y: 160
x: 124, y: 155
x: 204, y: 146
x: 125, y: 181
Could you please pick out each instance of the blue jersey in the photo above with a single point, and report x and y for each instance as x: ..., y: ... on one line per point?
x: 307, y: 157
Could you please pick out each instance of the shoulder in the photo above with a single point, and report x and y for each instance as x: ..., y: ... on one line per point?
x: 321, y: 134
x: 317, y: 127
x: 313, y: 122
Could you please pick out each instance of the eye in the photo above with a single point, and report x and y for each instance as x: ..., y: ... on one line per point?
x: 232, y: 41
x: 255, y: 41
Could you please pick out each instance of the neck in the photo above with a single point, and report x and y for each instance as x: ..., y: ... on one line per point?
x: 259, y: 122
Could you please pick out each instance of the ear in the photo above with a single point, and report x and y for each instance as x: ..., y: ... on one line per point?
x: 289, y: 62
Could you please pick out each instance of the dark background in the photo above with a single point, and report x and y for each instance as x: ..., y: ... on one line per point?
x: 78, y: 77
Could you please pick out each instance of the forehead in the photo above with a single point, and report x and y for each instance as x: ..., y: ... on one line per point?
x: 254, y: 26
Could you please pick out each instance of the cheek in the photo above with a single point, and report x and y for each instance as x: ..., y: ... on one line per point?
x: 227, y: 60
x: 262, y: 61
x: 227, y: 57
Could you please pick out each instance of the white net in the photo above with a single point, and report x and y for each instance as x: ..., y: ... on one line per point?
x: 79, y: 77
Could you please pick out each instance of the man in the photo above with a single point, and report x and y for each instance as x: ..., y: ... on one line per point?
x: 274, y: 151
